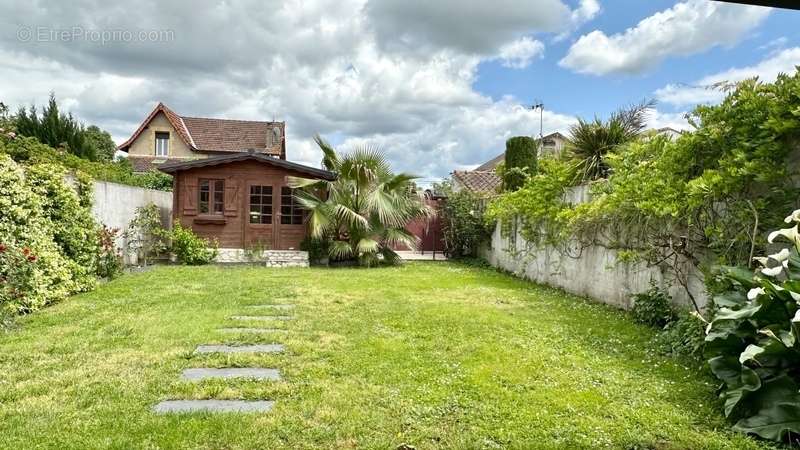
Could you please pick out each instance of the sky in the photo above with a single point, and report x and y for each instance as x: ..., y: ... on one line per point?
x: 438, y: 85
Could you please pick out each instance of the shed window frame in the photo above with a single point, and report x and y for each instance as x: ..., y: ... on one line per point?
x: 260, y: 204
x: 291, y: 212
x: 214, y: 202
x: 161, y: 143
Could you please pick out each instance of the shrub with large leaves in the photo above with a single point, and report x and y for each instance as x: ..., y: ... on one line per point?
x: 363, y: 213
x: 753, y: 342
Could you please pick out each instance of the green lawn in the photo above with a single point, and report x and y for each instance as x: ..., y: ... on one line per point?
x: 435, y: 355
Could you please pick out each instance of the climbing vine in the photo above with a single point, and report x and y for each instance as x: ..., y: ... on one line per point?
x: 704, y: 198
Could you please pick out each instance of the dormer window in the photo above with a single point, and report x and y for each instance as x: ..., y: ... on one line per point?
x: 162, y: 143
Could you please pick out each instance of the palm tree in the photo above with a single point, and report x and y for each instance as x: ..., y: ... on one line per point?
x: 363, y: 213
x: 590, y: 141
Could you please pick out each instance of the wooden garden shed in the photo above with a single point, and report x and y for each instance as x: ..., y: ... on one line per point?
x: 242, y: 200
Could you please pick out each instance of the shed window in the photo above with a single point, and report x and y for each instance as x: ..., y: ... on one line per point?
x: 261, y: 204
x: 162, y: 143
x: 212, y: 196
x: 291, y: 213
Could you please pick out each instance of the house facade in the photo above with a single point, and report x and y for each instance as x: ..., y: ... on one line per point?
x: 165, y: 136
x: 230, y: 178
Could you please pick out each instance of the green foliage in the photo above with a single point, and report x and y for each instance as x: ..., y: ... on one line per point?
x: 145, y: 236
x: 190, y: 248
x: 100, y: 143
x: 30, y: 151
x: 753, y: 342
x: 109, y: 261
x: 48, y: 243
x: 653, y: 307
x: 590, y: 142
x: 539, y: 204
x: 365, y: 210
x: 520, y: 161
x: 318, y: 249
x: 683, y: 336
x: 153, y: 179
x: 463, y: 225
x: 703, y: 198
x: 56, y: 129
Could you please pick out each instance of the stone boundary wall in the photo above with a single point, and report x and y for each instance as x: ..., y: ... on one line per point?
x: 594, y: 272
x: 115, y: 206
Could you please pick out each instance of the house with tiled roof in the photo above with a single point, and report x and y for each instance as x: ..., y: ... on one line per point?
x: 230, y: 179
x: 165, y: 136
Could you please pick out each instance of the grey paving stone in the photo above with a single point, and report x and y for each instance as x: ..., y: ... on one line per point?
x: 262, y: 317
x: 257, y: 348
x: 252, y: 330
x: 222, y: 406
x: 231, y: 372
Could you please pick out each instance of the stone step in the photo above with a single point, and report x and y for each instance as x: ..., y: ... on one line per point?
x: 262, y: 317
x: 231, y: 372
x: 252, y: 330
x: 257, y: 348
x: 216, y: 406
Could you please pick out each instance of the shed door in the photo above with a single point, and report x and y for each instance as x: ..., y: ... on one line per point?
x: 260, y: 224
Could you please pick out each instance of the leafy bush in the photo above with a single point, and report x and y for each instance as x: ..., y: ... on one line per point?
x: 753, y: 342
x: 520, y: 161
x: 683, y: 336
x: 653, y: 307
x: 145, y: 236
x: 48, y: 243
x: 109, y: 262
x: 463, y: 226
x: 190, y: 248
x: 318, y: 249
x: 29, y: 151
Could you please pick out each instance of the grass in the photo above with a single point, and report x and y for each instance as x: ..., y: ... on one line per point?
x: 435, y: 355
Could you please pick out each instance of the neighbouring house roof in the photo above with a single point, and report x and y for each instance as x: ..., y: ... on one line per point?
x: 478, y: 181
x: 147, y: 163
x: 177, y: 166
x: 492, y: 163
x: 216, y: 135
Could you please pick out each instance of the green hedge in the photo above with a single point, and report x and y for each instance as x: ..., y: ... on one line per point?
x: 29, y: 151
x: 49, y: 241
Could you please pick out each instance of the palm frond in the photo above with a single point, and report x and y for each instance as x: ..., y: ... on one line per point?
x: 341, y: 250
x: 330, y: 160
x: 366, y: 245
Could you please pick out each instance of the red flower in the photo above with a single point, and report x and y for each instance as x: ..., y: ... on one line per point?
x: 31, y: 258
x: 2, y: 248
x: 26, y: 251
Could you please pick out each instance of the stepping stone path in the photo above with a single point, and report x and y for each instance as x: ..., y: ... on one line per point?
x: 262, y: 317
x: 232, y: 372
x: 257, y: 348
x: 257, y: 373
x: 252, y: 330
x: 188, y: 406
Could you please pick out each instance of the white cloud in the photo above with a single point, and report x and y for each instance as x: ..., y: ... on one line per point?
x: 324, y: 66
x: 585, y: 12
x: 689, y: 27
x: 702, y: 90
x: 520, y: 53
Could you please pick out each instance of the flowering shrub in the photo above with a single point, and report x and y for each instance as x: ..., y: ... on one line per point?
x: 190, y: 248
x: 753, y: 342
x: 34, y: 271
x: 109, y: 261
